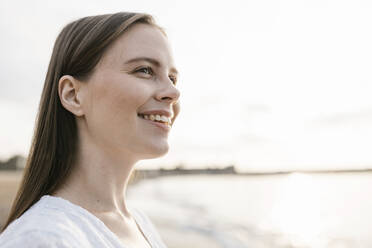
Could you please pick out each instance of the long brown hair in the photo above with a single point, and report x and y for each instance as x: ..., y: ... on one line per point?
x: 76, y: 52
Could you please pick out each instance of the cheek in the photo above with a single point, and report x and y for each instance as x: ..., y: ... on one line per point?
x: 110, y: 89
x: 176, y: 110
x: 116, y: 100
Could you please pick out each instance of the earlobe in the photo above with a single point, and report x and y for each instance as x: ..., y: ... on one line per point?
x: 69, y: 94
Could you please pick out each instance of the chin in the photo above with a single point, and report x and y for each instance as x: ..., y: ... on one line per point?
x: 156, y: 152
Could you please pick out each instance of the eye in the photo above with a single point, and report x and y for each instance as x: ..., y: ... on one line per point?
x: 145, y: 70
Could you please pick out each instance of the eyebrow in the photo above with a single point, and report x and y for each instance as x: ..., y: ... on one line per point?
x: 151, y: 61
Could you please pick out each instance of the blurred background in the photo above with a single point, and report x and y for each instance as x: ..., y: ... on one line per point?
x: 273, y: 144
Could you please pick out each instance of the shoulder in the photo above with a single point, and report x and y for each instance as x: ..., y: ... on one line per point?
x: 42, y: 226
x: 34, y: 229
x: 35, y: 239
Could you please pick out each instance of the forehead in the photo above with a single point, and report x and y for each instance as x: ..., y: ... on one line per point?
x: 141, y: 40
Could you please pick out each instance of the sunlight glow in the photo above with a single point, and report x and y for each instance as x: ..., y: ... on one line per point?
x: 297, y: 214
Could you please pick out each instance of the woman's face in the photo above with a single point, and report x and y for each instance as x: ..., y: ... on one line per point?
x: 133, y: 82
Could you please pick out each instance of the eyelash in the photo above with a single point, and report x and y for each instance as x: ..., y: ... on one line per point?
x: 151, y: 72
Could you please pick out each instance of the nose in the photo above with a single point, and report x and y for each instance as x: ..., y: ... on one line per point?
x: 168, y: 93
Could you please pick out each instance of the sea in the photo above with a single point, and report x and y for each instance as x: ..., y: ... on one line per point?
x: 332, y: 210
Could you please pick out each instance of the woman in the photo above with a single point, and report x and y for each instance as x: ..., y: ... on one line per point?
x: 109, y: 100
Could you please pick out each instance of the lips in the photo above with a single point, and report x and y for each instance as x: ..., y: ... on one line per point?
x: 156, y: 118
x: 159, y: 123
x: 159, y: 112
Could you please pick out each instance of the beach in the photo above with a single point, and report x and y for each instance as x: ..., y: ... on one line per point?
x: 297, y: 210
x: 232, y: 211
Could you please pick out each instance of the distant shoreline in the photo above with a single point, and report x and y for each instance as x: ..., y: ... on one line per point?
x: 17, y: 163
x: 305, y: 171
x: 208, y: 171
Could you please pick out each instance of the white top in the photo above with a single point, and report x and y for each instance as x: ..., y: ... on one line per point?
x: 54, y: 222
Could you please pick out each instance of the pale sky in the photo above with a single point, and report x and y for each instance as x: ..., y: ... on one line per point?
x: 266, y: 85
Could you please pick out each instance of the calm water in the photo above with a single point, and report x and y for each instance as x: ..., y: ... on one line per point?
x: 295, y: 210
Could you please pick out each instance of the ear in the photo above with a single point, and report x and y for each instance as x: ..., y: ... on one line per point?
x: 69, y: 94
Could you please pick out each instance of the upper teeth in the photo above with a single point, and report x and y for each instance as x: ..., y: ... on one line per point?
x: 162, y: 118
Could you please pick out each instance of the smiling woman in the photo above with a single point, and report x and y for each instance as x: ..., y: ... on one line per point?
x: 109, y: 100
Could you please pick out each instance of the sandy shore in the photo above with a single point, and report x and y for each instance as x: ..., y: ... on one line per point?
x: 9, y: 182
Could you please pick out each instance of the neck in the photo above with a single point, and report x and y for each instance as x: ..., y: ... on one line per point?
x: 99, y: 180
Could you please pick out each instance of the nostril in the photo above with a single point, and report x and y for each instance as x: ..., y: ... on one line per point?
x: 166, y: 98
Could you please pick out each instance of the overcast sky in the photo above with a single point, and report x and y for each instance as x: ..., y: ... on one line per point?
x: 266, y: 85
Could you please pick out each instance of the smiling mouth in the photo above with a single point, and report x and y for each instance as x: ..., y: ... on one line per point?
x: 157, y: 118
